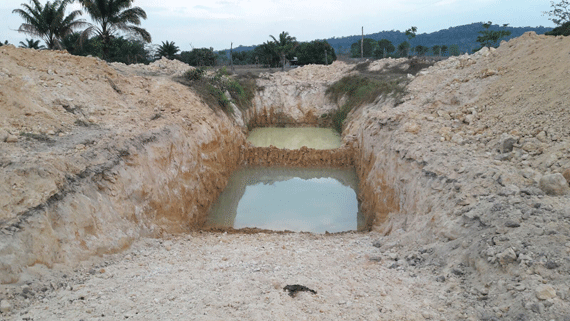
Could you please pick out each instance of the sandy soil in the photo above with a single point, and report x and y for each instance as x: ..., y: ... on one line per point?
x: 215, y: 276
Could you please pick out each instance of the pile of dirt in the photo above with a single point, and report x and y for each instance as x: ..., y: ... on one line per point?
x: 161, y: 67
x: 472, y: 164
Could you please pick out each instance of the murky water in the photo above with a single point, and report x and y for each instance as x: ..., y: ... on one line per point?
x: 294, y: 199
x: 295, y: 138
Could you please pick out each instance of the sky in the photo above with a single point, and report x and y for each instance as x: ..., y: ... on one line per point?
x: 218, y: 23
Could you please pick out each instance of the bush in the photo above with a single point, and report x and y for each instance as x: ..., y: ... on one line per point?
x: 358, y: 91
x: 198, y: 57
x: 562, y: 30
x: 213, y: 88
x: 194, y: 74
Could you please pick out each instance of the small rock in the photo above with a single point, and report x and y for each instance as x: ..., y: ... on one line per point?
x: 541, y: 136
x: 554, y: 184
x: 506, y: 143
x: 375, y: 259
x: 50, y: 132
x: 507, y: 256
x: 411, y: 127
x: 509, y: 190
x: 545, y: 292
x: 11, y: 139
x: 92, y: 119
x: 5, y: 306
x: 458, y: 139
x: 566, y: 175
x: 440, y: 279
x: 457, y: 272
x: 512, y: 224
x: 377, y: 244
x: 531, y: 190
x: 536, y: 307
x: 530, y: 146
x: 504, y: 157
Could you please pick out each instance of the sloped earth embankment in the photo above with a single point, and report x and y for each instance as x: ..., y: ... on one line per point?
x: 101, y: 159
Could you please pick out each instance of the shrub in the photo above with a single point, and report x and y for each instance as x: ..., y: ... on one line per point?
x: 213, y: 88
x: 194, y: 74
x: 358, y: 91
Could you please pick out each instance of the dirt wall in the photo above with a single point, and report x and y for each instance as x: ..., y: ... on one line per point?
x: 160, y: 182
x: 303, y: 157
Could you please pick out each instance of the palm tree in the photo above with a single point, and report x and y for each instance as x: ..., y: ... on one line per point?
x: 31, y: 44
x: 49, y: 22
x: 168, y: 50
x: 284, y: 46
x: 111, y: 16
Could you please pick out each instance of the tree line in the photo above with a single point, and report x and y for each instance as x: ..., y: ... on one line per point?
x: 114, y: 34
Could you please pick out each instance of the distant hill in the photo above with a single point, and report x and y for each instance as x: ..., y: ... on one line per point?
x: 464, y: 36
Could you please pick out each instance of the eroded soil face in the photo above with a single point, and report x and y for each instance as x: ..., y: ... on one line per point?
x: 464, y: 180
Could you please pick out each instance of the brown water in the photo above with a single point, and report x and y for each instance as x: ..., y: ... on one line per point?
x: 295, y: 138
x: 294, y: 199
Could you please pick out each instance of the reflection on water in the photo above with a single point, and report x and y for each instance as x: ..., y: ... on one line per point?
x: 295, y: 199
x: 295, y: 138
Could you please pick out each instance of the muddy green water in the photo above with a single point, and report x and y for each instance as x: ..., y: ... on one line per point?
x: 294, y: 199
x: 295, y: 138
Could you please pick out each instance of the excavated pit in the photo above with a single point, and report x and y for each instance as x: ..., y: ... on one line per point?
x: 292, y: 179
x: 315, y: 200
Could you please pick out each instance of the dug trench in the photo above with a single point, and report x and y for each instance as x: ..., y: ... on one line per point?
x: 105, y: 220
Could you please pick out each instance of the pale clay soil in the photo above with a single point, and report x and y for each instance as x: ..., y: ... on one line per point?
x: 469, y: 228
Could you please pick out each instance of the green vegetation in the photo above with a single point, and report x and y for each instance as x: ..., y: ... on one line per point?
x: 385, y: 47
x: 421, y: 50
x: 284, y: 46
x: 562, y: 30
x: 49, y: 22
x: 560, y: 13
x: 411, y: 33
x: 403, y: 48
x: 168, y: 50
x: 454, y: 50
x: 436, y: 50
x: 111, y: 16
x: 198, y: 57
x: 31, y: 44
x: 125, y: 50
x: 369, y: 47
x: 214, y: 88
x: 314, y: 53
x: 491, y: 38
x: 359, y: 90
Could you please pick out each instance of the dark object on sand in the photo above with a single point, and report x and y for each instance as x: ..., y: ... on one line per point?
x: 293, y: 289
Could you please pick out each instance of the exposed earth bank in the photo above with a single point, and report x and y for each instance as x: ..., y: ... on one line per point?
x: 107, y: 170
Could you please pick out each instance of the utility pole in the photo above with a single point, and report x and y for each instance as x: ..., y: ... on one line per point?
x: 362, y: 45
x: 326, y: 58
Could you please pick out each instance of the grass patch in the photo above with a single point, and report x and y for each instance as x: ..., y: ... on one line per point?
x: 359, y: 90
x: 219, y: 90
